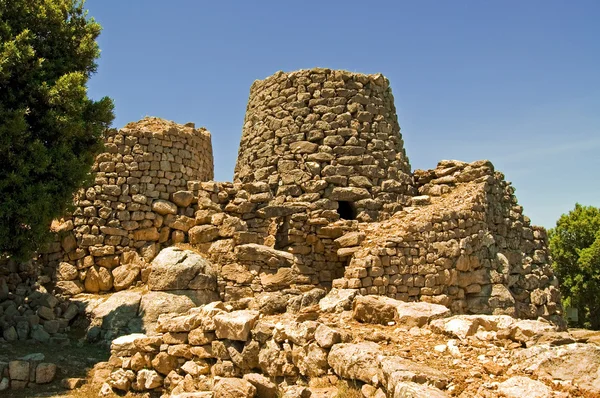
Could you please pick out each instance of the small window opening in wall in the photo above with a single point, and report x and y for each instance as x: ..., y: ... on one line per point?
x: 346, y: 210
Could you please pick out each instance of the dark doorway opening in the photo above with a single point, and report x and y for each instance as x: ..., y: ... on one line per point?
x: 282, y: 234
x: 346, y: 210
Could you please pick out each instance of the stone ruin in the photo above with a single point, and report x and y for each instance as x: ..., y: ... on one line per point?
x: 323, y: 199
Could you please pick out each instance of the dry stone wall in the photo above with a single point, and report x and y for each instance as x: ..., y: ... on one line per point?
x: 323, y: 195
x: 138, y: 203
x: 325, y: 134
x: 465, y: 245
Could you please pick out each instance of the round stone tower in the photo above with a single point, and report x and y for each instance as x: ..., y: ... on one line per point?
x: 326, y: 134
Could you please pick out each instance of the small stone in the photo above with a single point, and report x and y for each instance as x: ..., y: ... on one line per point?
x: 164, y: 207
x: 18, y: 370
x: 71, y: 383
x: 235, y: 325
x: 45, y: 372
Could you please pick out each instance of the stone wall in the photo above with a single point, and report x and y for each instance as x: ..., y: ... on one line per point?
x: 466, y: 245
x: 325, y: 134
x: 137, y: 203
x: 323, y: 195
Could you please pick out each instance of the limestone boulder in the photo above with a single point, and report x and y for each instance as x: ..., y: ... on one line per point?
x: 396, y: 369
x: 182, y: 198
x: 326, y: 336
x: 264, y: 254
x: 409, y: 389
x: 264, y: 387
x: 282, y: 279
x: 338, y: 300
x: 125, y: 275
x: 419, y: 313
x: 460, y: 326
x: 231, y: 387
x: 177, y: 269
x: 116, y: 312
x: 235, y: 325
x: 374, y: 309
x: 148, y: 379
x: 153, y: 304
x: 520, y: 386
x: 310, y: 359
x: 523, y: 330
x: 578, y: 363
x: 276, y: 360
x: 164, y: 207
x: 358, y: 361
x: 164, y: 363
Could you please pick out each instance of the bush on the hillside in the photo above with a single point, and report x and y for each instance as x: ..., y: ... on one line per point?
x: 575, y: 248
x: 50, y: 130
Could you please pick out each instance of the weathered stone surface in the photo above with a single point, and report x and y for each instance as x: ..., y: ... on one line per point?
x: 419, y: 313
x: 231, y: 387
x: 264, y: 254
x: 182, y: 198
x: 356, y: 361
x: 310, y: 359
x: 409, y: 389
x: 579, y: 363
x: 395, y: 369
x: 350, y: 239
x: 519, y: 386
x: 121, y: 379
x: 116, y: 312
x: 18, y: 370
x: 174, y: 269
x: 203, y: 234
x: 264, y: 387
x: 45, y: 373
x: 275, y: 360
x: 338, y: 300
x: 374, y: 309
x: 153, y: 304
x: 326, y: 336
x: 283, y: 278
x: 149, y: 379
x: 164, y: 207
x: 235, y: 325
x: 164, y: 363
x: 125, y: 275
x: 67, y: 272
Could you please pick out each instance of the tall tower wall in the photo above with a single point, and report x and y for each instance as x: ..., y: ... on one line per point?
x: 326, y: 134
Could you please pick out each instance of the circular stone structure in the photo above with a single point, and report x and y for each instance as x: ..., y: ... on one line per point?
x: 326, y: 134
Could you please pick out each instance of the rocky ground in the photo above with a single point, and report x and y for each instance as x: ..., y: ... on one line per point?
x: 373, y: 347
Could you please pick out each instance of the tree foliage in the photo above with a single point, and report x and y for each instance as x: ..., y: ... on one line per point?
x: 50, y: 130
x: 575, y: 248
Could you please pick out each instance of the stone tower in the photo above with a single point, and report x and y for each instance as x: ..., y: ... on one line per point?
x: 326, y: 134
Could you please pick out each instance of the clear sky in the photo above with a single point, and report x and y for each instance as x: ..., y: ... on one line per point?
x: 515, y: 82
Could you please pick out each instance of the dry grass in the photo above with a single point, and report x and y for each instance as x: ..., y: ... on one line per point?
x: 348, y: 389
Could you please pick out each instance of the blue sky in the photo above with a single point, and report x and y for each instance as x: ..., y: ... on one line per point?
x: 515, y: 82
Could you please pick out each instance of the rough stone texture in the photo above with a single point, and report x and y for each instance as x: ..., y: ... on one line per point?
x: 176, y: 269
x: 408, y: 389
x: 356, y: 361
x: 337, y: 127
x: 45, y: 373
x: 519, y: 386
x: 235, y: 325
x: 577, y: 362
x: 234, y: 388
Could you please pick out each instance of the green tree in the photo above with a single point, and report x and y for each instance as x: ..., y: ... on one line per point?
x: 50, y: 130
x: 575, y: 248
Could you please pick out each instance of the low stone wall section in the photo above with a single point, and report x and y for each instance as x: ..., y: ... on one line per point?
x: 466, y: 245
